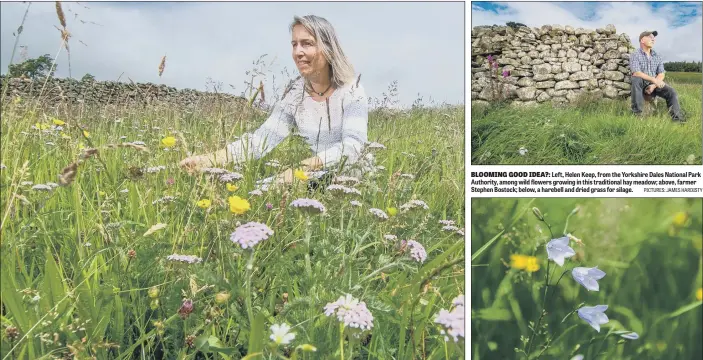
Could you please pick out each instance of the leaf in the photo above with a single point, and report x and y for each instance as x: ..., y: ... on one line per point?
x: 256, y: 336
x: 495, y: 314
x: 635, y: 323
x: 682, y: 310
x: 483, y: 248
x: 154, y: 229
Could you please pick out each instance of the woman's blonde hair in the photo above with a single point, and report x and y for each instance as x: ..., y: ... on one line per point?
x: 341, y: 69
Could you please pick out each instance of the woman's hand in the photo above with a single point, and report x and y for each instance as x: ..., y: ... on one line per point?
x: 197, y: 162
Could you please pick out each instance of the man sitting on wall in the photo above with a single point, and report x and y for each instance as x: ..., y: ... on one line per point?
x: 647, y: 69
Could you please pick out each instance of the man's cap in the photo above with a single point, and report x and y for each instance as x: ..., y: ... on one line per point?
x: 647, y: 33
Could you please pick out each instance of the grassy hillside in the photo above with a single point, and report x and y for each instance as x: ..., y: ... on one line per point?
x: 649, y: 249
x: 86, y: 268
x: 591, y: 132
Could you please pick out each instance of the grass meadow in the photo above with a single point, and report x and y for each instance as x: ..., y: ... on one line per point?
x: 648, y: 248
x: 591, y: 132
x: 90, y: 220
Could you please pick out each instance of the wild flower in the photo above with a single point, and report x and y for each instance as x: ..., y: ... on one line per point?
x: 204, y: 203
x: 407, y: 176
x: 594, y: 315
x: 679, y: 219
x: 309, y: 205
x: 256, y: 192
x: 417, y: 251
x: 391, y: 211
x: 449, y: 228
x: 269, y: 206
x: 524, y: 262
x: 559, y: 249
x: 346, y: 180
x: 165, y: 199
x: 273, y: 163
x: 699, y: 294
x: 190, y: 259
x: 414, y: 204
x: 300, y: 175
x: 230, y: 176
x: 588, y: 277
x: 155, y: 169
x: 2, y: 166
x: 186, y: 308
x: 379, y: 214
x: 390, y: 237
x: 42, y: 187
x: 447, y: 222
x: 58, y: 122
x: 375, y: 145
x: 355, y: 203
x: 169, y: 141
x: 452, y: 321
x: 351, y: 312
x: 281, y: 335
x: 250, y: 234
x: 340, y: 189
x: 522, y: 151
x: 214, y: 171
x: 231, y: 187
x: 238, y: 205
x: 222, y: 297
x: 630, y: 335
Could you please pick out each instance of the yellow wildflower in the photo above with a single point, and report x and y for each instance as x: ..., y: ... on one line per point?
x: 392, y: 211
x: 58, y: 122
x: 232, y: 187
x: 64, y: 136
x: 40, y: 126
x: 238, y: 205
x: 518, y: 261
x: 699, y: 294
x: 532, y: 264
x: 300, y: 174
x: 204, y: 203
x: 102, y: 193
x: 86, y: 133
x: 680, y: 219
x: 169, y: 141
x: 222, y: 297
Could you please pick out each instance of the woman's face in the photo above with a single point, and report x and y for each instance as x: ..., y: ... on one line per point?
x: 308, y: 57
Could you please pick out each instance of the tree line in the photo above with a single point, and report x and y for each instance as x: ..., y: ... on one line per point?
x: 684, y: 66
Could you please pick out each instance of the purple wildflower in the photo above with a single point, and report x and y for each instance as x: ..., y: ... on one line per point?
x: 341, y: 189
x: 447, y: 222
x: 190, y: 259
x: 452, y: 321
x: 230, y: 177
x: 351, y: 312
x: 186, y: 308
x: 449, y: 228
x: 379, y: 214
x: 417, y: 251
x: 269, y: 206
x: 250, y: 234
x: 412, y: 204
x: 506, y: 73
x: 490, y: 58
x: 309, y: 205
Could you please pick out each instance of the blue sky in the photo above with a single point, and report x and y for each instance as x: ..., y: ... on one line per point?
x: 421, y: 45
x: 679, y: 23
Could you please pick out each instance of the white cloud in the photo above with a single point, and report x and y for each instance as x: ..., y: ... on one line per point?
x: 674, y: 43
x: 421, y: 45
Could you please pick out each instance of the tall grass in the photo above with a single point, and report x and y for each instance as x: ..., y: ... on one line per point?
x: 650, y: 250
x: 591, y: 131
x: 82, y: 275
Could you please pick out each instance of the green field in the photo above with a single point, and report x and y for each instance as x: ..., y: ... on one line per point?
x: 649, y: 249
x: 591, y: 132
x: 85, y: 266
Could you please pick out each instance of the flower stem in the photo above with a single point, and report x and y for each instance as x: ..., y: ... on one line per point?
x: 341, y: 340
x: 541, y: 314
x: 250, y: 266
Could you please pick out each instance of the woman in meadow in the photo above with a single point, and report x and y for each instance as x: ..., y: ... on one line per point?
x: 326, y: 103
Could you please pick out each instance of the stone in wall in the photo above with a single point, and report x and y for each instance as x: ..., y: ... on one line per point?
x: 71, y: 91
x: 552, y: 62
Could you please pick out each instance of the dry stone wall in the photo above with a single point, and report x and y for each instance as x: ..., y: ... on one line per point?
x: 71, y: 91
x: 552, y: 63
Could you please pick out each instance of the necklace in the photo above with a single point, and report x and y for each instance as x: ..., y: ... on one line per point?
x: 309, y: 86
